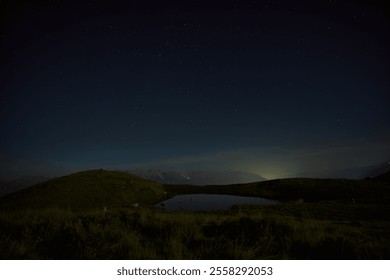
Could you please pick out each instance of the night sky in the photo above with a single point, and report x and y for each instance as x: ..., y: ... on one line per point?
x: 277, y: 88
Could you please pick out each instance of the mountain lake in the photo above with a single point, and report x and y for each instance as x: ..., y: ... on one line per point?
x: 210, y: 202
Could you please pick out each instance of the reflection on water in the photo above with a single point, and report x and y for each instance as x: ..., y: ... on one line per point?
x: 204, y: 202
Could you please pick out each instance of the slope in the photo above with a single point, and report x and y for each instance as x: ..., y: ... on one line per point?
x: 86, y: 189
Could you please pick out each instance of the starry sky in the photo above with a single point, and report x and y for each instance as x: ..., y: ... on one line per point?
x: 277, y: 88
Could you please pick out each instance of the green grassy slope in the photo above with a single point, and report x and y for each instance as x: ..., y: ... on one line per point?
x: 87, y: 189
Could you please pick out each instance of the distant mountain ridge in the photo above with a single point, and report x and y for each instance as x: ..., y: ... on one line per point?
x: 197, y: 177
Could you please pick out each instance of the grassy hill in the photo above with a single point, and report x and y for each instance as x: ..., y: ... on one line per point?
x: 87, y: 189
x: 317, y: 219
x: 383, y: 177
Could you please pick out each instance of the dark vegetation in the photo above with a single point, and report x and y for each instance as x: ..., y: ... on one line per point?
x: 110, y: 215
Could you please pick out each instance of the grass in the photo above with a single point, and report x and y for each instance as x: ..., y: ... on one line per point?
x: 147, y: 233
x: 59, y: 224
x: 86, y: 190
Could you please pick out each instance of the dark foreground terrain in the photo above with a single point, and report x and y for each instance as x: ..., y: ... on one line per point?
x: 110, y: 215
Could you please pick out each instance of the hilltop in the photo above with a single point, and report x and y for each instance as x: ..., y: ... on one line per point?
x: 86, y: 189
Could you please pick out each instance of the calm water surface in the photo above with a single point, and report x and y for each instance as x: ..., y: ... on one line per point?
x: 204, y: 202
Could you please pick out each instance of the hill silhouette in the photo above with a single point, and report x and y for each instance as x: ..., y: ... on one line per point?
x: 385, y: 177
x: 86, y: 189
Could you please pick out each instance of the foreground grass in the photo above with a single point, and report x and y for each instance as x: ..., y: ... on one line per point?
x: 288, y: 231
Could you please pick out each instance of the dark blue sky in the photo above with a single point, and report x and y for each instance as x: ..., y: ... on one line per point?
x: 278, y: 88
